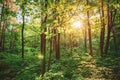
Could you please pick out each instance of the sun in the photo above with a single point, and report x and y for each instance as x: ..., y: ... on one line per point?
x: 77, y: 24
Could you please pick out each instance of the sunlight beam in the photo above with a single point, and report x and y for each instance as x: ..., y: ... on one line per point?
x: 77, y: 24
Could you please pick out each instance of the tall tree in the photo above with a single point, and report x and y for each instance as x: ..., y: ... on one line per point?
x: 1, y: 25
x: 43, y: 38
x: 23, y: 25
x: 115, y: 40
x: 102, y: 33
x: 51, y: 50
x: 111, y: 17
x: 89, y: 30
x: 58, y: 47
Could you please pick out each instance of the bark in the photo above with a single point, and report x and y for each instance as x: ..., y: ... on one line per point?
x: 111, y: 18
x: 64, y: 39
x: 56, y: 43
x: 1, y: 27
x: 89, y: 32
x: 23, y: 24
x: 43, y: 45
x: 102, y: 33
x: 114, y: 38
x: 108, y: 33
x: 3, y: 35
x: 58, y: 47
x: 113, y: 30
x: 43, y: 51
x: 55, y: 39
x: 51, y: 50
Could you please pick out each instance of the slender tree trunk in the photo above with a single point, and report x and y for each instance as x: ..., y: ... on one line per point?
x: 1, y: 27
x: 4, y: 29
x: 108, y: 29
x: 111, y: 18
x: 107, y: 41
x: 43, y: 39
x: 55, y: 39
x: 89, y: 32
x: 64, y: 39
x: 51, y: 50
x: 58, y: 47
x: 43, y: 51
x: 43, y: 45
x: 56, y: 43
x: 102, y: 34
x: 114, y: 38
x: 113, y: 29
x: 23, y: 24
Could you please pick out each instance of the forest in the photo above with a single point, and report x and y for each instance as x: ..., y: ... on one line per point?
x: 59, y: 39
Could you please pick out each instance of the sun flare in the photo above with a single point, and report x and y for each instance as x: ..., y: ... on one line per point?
x: 77, y: 24
x: 39, y: 56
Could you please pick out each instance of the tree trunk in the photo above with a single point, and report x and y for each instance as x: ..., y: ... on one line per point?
x: 89, y: 32
x: 43, y: 39
x: 111, y: 18
x: 56, y: 43
x: 43, y: 51
x: 3, y: 41
x: 1, y: 27
x: 23, y: 24
x: 102, y: 34
x: 51, y: 50
x: 55, y: 40
x: 114, y: 38
x: 108, y: 29
x: 58, y: 47
x: 64, y: 39
x: 43, y: 46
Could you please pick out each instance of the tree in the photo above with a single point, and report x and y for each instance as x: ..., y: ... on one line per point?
x: 23, y: 25
x: 43, y: 38
x: 111, y: 18
x: 89, y: 30
x: 102, y: 33
x: 2, y: 26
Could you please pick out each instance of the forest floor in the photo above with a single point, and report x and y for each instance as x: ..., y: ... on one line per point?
x: 98, y: 68
x: 76, y: 66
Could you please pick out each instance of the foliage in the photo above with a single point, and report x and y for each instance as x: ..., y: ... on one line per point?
x: 50, y: 18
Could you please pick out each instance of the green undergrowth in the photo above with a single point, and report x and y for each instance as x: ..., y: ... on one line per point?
x: 74, y: 64
x: 14, y: 68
